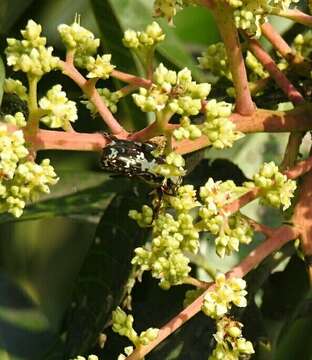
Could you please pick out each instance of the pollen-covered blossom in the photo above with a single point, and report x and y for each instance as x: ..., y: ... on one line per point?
x: 276, y: 189
x: 146, y: 39
x: 12, y: 86
x: 80, y: 41
x: 110, y: 99
x: 175, y: 92
x: 231, y: 345
x: 225, y: 293
x: 60, y: 110
x: 31, y: 55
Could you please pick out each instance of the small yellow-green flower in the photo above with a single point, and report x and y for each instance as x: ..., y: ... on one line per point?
x: 60, y: 110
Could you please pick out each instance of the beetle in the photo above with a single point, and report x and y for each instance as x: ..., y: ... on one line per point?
x: 136, y: 160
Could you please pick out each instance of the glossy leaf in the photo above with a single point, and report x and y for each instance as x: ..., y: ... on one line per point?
x: 137, y: 14
x: 24, y: 331
x: 90, y: 201
x: 10, y: 12
x: 100, y: 284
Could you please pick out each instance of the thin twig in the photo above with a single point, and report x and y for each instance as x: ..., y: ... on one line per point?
x: 90, y: 91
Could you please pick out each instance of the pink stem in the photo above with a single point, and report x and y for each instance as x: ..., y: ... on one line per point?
x: 131, y: 79
x: 268, y: 63
x: 277, y: 41
x: 224, y: 18
x: 297, y: 16
x: 93, y: 95
x: 59, y: 140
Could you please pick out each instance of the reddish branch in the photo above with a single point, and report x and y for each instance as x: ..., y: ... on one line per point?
x: 131, y: 79
x: 260, y: 121
x: 273, y: 243
x: 297, y: 16
x: 60, y: 140
x: 88, y: 88
x: 269, y: 64
x: 224, y: 19
x: 277, y: 41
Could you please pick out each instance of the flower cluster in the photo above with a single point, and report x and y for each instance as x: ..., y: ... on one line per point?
x: 215, y: 60
x: 110, y: 99
x: 165, y: 259
x: 231, y: 345
x: 250, y: 14
x: 187, y: 130
x: 12, y: 150
x: 225, y: 293
x: 79, y: 41
x: 168, y: 8
x: 99, y: 67
x: 31, y: 55
x: 276, y: 189
x: 219, y: 129
x: 20, y: 180
x: 17, y: 120
x: 12, y: 86
x: 123, y: 325
x: 217, y: 126
x: 82, y: 44
x: 177, y: 231
x: 90, y: 357
x: 172, y: 168
x: 173, y: 92
x: 144, y: 40
x: 303, y: 44
x: 144, y: 218
x: 255, y: 67
x: 229, y: 231
x: 172, y: 236
x: 29, y: 181
x: 59, y: 110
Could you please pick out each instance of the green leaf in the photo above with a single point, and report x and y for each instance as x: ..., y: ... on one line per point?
x: 89, y: 201
x: 100, y: 284
x: 10, y: 12
x: 278, y: 302
x: 137, y: 14
x: 25, y: 332
x: 296, y: 339
x: 196, y: 27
